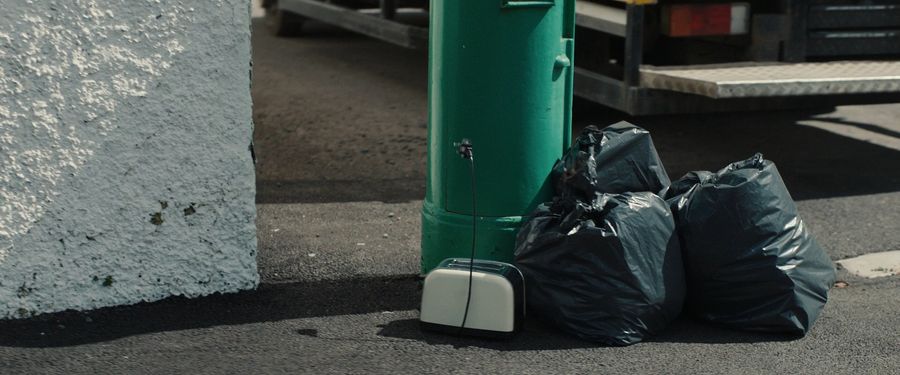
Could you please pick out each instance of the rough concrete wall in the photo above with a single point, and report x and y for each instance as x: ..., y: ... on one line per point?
x: 125, y: 174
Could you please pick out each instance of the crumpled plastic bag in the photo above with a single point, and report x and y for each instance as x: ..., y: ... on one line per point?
x: 620, y: 158
x: 608, y: 272
x: 750, y: 261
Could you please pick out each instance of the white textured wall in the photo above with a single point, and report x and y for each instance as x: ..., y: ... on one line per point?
x: 125, y: 174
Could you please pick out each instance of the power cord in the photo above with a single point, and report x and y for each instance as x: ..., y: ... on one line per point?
x: 465, y: 150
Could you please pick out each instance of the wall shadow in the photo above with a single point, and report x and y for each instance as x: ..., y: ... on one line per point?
x: 271, y: 302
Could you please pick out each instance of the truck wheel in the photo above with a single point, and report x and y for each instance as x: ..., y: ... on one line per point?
x: 281, y: 22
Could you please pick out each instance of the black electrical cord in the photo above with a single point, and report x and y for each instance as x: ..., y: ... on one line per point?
x: 465, y: 150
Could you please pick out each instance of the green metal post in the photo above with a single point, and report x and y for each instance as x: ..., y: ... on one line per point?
x: 500, y: 75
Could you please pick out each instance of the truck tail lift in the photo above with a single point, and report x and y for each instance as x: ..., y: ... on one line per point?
x: 649, y: 57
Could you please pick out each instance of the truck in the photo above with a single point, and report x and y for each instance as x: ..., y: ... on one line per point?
x: 648, y: 57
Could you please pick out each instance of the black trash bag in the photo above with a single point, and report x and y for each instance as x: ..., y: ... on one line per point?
x: 750, y: 261
x: 608, y: 272
x: 620, y: 158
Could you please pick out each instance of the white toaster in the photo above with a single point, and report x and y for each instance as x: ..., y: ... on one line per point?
x: 497, y: 304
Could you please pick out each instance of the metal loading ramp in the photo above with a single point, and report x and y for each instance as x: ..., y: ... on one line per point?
x: 776, y: 79
x: 603, y: 18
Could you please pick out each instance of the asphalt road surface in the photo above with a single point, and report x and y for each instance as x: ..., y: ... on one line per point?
x: 340, y: 136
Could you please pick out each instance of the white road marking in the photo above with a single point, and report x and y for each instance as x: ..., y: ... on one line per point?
x: 874, y: 264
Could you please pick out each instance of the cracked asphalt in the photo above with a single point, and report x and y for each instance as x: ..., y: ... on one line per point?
x: 340, y: 138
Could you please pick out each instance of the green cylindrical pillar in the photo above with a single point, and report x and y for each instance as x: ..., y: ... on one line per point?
x: 500, y: 75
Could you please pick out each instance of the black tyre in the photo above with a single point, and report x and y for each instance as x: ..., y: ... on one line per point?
x: 281, y: 22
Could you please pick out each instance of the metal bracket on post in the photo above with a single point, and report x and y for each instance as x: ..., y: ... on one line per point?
x: 388, y: 9
x: 634, y: 48
x: 527, y: 3
x: 795, y: 45
x: 634, y: 44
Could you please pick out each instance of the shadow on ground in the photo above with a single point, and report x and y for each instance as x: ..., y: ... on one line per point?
x: 538, y: 336
x: 271, y: 302
x: 328, y: 191
x: 283, y: 301
x: 814, y: 163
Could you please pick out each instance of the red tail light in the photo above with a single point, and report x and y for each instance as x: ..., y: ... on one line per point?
x: 706, y: 19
